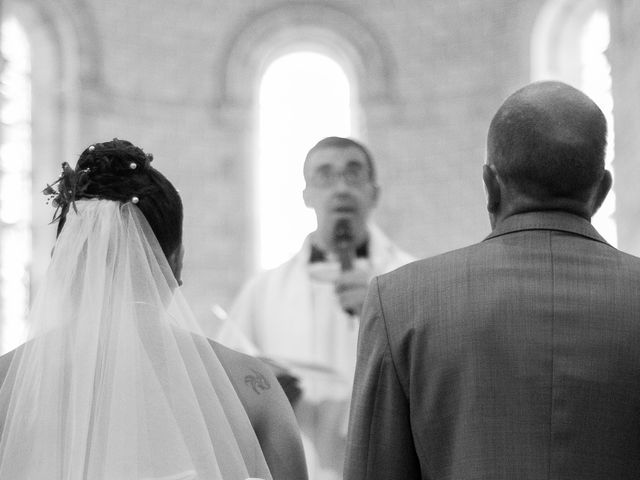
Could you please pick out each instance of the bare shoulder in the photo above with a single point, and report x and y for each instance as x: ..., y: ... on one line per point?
x: 268, y: 410
x: 258, y: 389
x: 253, y: 380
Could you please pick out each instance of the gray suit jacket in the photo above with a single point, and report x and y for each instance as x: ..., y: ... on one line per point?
x: 515, y: 358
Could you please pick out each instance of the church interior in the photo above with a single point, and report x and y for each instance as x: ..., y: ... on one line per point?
x: 228, y: 95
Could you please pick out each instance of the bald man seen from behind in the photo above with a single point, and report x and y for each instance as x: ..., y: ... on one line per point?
x: 517, y: 357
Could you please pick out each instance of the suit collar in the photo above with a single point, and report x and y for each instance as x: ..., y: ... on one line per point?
x: 547, y: 220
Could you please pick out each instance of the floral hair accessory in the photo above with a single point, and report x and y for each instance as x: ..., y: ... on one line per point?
x: 66, y: 189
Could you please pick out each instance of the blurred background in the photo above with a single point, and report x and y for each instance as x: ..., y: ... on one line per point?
x: 230, y: 94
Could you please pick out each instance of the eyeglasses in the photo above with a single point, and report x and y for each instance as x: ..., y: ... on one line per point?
x: 325, y: 176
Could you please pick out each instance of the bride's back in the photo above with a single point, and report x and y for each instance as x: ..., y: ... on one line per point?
x: 116, y: 380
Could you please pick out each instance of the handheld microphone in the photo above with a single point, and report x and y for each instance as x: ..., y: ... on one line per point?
x: 343, y: 241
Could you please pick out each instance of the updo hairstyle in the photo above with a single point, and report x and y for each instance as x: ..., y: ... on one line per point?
x: 118, y: 170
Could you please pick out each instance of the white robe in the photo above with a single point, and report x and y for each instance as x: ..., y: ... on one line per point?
x: 292, y: 314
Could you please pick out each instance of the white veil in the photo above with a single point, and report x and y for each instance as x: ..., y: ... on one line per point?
x: 115, y: 382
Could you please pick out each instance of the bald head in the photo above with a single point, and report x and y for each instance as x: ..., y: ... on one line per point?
x: 547, y: 142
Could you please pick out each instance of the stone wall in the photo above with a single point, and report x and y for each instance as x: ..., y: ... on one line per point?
x: 179, y: 79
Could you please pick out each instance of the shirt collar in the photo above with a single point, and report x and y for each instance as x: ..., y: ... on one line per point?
x: 318, y: 255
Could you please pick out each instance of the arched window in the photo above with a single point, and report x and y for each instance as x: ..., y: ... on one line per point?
x: 38, y: 110
x: 303, y: 97
x: 337, y: 48
x: 570, y: 42
x: 15, y: 182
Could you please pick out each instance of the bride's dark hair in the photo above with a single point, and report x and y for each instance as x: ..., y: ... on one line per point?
x: 118, y: 170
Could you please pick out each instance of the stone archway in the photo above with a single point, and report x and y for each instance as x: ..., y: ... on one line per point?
x: 360, y: 50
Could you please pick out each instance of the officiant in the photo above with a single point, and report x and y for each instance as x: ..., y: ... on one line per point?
x: 304, y: 313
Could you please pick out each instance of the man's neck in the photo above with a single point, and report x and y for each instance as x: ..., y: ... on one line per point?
x: 524, y: 204
x: 542, y: 208
x: 324, y: 239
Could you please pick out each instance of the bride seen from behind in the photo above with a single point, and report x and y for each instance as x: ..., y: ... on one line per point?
x: 115, y: 380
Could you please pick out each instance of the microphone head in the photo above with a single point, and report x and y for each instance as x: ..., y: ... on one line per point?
x: 343, y: 234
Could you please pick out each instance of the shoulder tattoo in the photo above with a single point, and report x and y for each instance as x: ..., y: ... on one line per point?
x: 257, y: 382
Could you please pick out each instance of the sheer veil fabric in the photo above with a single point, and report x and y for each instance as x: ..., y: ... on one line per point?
x: 115, y: 380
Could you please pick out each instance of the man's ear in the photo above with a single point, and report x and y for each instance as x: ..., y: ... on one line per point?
x: 305, y: 197
x: 601, y: 192
x: 492, y: 187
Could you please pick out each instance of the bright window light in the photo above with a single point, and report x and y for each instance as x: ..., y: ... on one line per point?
x: 304, y: 96
x: 15, y: 183
x: 596, y: 82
